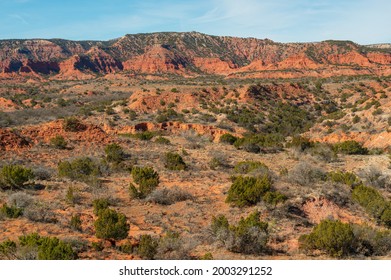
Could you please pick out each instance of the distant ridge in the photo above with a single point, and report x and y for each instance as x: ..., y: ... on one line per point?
x: 190, y: 54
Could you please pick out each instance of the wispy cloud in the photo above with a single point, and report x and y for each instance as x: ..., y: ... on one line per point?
x: 19, y: 18
x: 362, y: 21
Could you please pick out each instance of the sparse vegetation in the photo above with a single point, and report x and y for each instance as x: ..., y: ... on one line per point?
x: 170, y: 196
x: 73, y: 124
x: 249, y: 236
x: 246, y: 191
x: 80, y: 169
x: 265, y: 146
x: 36, y: 247
x: 114, y: 153
x: 111, y: 225
x: 173, y: 161
x: 228, y: 138
x: 351, y: 148
x: 58, y: 142
x: 147, y: 179
x: 14, y: 176
x: 333, y: 237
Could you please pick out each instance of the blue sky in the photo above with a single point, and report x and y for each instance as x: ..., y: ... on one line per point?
x: 362, y: 21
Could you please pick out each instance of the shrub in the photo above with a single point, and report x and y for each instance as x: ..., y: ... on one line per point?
x: 111, y: 225
x: 305, y: 174
x: 147, y: 247
x: 245, y: 167
x: 75, y: 222
x: 162, y: 140
x: 11, y: 212
x: 126, y: 248
x: 228, y: 138
x: 71, y: 196
x: 324, y: 152
x: 386, y: 216
x: 334, y: 237
x: 49, y: 248
x: 372, y: 241
x: 58, y: 142
x: 14, y: 176
x: 220, y: 227
x: 374, y: 203
x: 172, y: 247
x: 356, y: 119
x: 174, y: 161
x: 146, y: 178
x: 7, y: 249
x: 301, y: 142
x: 351, y: 148
x: 73, y: 124
x: 246, y: 191
x: 20, y: 200
x: 97, y: 246
x: 132, y: 115
x: 346, y: 178
x: 52, y: 248
x: 42, y: 173
x: 207, y: 256
x: 114, y: 153
x: 375, y: 178
x: 145, y: 135
x: 100, y: 204
x: 249, y: 236
x: 218, y: 161
x: 167, y: 196
x: 81, y: 169
x: 39, y: 212
x: 254, y: 142
x: 274, y: 198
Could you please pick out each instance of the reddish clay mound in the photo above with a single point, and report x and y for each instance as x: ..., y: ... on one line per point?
x: 7, y: 105
x: 89, y: 134
x: 151, y: 102
x: 11, y: 141
x: 175, y: 128
x: 318, y: 209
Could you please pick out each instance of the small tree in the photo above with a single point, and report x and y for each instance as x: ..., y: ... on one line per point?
x: 49, y: 248
x: 58, y: 142
x: 80, y: 169
x: 14, y: 176
x: 351, y: 148
x: 249, y: 236
x: 75, y: 222
x: 114, y: 153
x: 111, y: 225
x: 147, y: 247
x: 100, y: 204
x: 334, y: 237
x: 245, y: 167
x: 73, y: 124
x: 146, y: 178
x: 228, y: 138
x: 174, y: 161
x: 55, y: 249
x: 246, y: 191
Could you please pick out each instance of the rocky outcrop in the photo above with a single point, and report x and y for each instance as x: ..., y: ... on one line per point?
x: 176, y: 128
x: 7, y: 105
x: 11, y: 141
x: 91, y: 134
x: 157, y: 60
